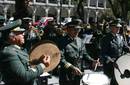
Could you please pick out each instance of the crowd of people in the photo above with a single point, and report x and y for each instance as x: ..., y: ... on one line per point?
x: 108, y: 43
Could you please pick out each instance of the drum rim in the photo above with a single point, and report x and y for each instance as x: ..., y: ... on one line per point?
x: 89, y: 74
x: 41, y: 42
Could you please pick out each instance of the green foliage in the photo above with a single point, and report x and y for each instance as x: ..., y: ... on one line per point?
x: 120, y: 8
x: 128, y: 15
x: 129, y: 5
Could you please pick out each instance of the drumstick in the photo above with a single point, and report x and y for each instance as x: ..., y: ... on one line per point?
x: 96, y: 65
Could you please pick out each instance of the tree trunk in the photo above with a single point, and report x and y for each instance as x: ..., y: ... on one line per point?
x: 80, y: 10
x: 21, y: 9
x: 119, y: 8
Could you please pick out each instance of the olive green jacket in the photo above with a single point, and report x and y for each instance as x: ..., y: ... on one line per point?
x: 15, y: 68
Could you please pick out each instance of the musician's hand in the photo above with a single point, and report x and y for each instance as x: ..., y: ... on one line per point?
x: 115, y: 65
x: 110, y: 60
x: 76, y: 71
x: 114, y: 59
x: 45, y: 59
x: 96, y: 63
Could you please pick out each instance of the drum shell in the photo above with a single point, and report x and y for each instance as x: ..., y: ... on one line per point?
x: 46, y: 47
x: 95, y: 79
x: 123, y: 64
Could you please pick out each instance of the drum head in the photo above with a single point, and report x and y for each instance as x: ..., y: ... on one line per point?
x: 95, y: 79
x: 124, y: 64
x: 46, y: 48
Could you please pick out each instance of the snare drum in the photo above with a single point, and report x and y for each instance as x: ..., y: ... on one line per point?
x: 95, y: 79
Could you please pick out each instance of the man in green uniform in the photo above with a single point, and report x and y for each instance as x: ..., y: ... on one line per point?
x: 2, y: 20
x: 73, y: 52
x: 14, y: 62
x: 112, y: 47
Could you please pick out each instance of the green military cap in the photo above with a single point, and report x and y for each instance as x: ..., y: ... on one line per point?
x: 70, y: 24
x: 26, y: 19
x: 2, y: 20
x: 12, y: 25
x: 78, y: 21
x: 2, y: 17
x: 116, y: 24
x: 73, y: 25
x: 18, y: 29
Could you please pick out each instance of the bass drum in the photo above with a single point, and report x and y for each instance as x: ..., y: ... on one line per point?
x: 95, y: 79
x: 123, y: 64
x: 46, y: 48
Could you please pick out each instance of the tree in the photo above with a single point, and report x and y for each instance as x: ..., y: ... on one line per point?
x: 120, y: 8
x: 21, y: 9
x: 80, y: 10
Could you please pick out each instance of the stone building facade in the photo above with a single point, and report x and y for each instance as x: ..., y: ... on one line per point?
x: 58, y: 8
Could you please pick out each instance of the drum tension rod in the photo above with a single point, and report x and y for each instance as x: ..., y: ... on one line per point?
x: 117, y: 67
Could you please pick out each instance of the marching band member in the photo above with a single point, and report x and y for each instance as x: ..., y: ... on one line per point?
x: 73, y: 51
x: 14, y: 62
x: 112, y: 47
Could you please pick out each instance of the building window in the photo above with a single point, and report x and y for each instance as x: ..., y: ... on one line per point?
x: 85, y: 2
x: 65, y: 1
x: 52, y: 1
x: 73, y: 2
x: 100, y: 3
x: 9, y: 0
x: 41, y: 1
x: 93, y: 3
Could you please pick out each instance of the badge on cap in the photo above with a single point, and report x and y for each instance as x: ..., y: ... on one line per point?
x: 18, y: 29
